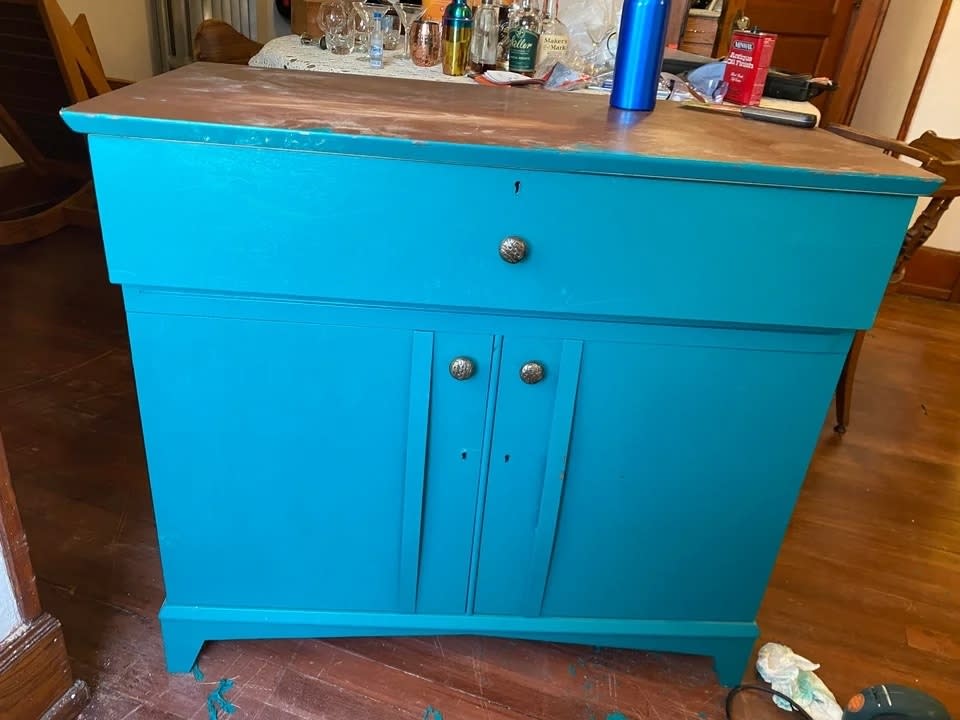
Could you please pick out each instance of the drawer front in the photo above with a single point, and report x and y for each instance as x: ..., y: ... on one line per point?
x: 369, y: 230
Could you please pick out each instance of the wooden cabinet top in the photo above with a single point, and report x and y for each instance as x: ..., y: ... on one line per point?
x: 522, y: 128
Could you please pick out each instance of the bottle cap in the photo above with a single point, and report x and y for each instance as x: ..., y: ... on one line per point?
x: 458, y: 15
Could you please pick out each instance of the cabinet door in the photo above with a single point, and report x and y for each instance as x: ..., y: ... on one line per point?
x: 530, y: 435
x: 458, y: 410
x: 287, y: 460
x: 684, y: 465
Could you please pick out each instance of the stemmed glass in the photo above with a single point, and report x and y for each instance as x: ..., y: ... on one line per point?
x: 365, y: 10
x: 409, y: 14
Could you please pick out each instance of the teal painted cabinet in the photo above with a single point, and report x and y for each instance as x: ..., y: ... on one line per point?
x: 398, y: 375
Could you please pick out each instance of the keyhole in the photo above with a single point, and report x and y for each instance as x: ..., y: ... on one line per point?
x: 463, y: 455
x: 506, y: 458
x: 516, y: 187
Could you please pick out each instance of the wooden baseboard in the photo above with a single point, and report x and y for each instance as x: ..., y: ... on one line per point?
x: 932, y: 273
x: 35, y: 677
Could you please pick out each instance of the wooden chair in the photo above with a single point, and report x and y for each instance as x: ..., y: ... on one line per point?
x: 941, y: 156
x: 48, y: 63
x: 217, y: 41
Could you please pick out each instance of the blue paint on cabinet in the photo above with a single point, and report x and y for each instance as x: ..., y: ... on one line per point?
x: 304, y: 431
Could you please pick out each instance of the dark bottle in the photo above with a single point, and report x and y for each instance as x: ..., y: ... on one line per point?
x: 640, y: 46
x: 457, y: 30
x: 524, y: 39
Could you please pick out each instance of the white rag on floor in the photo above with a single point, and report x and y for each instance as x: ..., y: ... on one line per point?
x: 793, y: 675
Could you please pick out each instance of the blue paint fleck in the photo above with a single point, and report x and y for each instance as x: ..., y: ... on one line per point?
x: 702, y: 715
x: 197, y: 672
x: 216, y: 701
x: 572, y: 669
x: 617, y: 715
x: 431, y: 713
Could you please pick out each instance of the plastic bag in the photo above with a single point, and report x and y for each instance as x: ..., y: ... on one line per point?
x: 590, y: 23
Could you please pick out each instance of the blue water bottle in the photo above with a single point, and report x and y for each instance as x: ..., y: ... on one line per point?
x: 640, y: 45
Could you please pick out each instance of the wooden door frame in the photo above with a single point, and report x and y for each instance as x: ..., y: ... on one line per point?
x: 924, y: 69
x: 859, y: 42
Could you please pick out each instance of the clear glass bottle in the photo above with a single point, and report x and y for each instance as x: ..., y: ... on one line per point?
x: 554, y: 36
x: 376, y: 41
x: 486, y: 38
x: 508, y: 13
x: 524, y: 39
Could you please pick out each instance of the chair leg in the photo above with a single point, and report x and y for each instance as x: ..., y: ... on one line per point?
x: 845, y: 383
x: 41, y: 224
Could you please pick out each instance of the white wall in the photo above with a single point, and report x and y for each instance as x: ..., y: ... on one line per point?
x: 896, y: 61
x: 9, y: 614
x: 939, y: 110
x: 270, y: 23
x: 123, y: 33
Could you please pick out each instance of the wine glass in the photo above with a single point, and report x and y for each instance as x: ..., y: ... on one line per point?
x: 339, y: 27
x: 409, y: 14
x: 365, y: 10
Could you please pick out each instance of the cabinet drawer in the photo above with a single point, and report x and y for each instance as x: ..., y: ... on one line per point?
x: 368, y: 230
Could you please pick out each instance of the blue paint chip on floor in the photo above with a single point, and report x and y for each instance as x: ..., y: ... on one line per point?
x: 197, y: 672
x: 572, y: 669
x: 217, y: 701
x: 616, y: 716
x: 431, y: 713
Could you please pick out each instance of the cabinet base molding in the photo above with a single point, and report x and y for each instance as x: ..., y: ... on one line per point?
x: 35, y: 676
x: 186, y: 628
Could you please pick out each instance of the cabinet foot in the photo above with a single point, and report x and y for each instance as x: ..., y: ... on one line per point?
x: 181, y: 645
x: 730, y: 660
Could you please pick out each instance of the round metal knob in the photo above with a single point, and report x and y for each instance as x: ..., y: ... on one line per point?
x: 513, y: 249
x: 462, y: 368
x: 532, y: 373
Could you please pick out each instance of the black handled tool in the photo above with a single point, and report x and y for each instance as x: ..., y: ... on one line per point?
x: 762, y: 114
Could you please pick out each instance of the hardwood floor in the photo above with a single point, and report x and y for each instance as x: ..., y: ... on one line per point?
x: 868, y: 581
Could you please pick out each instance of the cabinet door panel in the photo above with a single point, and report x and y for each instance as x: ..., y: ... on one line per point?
x: 664, y: 515
x: 531, y: 430
x: 455, y: 454
x: 277, y: 454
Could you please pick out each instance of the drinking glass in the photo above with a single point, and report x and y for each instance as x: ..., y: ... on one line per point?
x: 391, y: 32
x: 425, y: 43
x: 408, y: 15
x: 365, y: 12
x: 339, y: 27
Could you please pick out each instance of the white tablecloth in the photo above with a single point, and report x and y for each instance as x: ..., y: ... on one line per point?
x: 287, y: 53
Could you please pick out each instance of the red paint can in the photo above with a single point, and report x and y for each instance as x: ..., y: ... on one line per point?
x: 747, y: 64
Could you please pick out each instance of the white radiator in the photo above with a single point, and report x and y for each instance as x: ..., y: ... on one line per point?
x: 177, y: 21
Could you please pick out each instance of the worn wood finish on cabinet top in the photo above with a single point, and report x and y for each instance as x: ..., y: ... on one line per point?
x: 440, y: 122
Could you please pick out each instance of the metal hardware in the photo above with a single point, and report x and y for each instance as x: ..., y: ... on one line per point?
x: 462, y: 368
x: 532, y: 372
x: 513, y: 249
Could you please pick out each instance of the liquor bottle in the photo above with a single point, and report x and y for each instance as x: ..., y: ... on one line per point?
x: 508, y: 13
x: 640, y: 45
x: 486, y: 38
x: 554, y: 36
x: 524, y: 38
x: 457, y: 30
x: 376, y: 41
